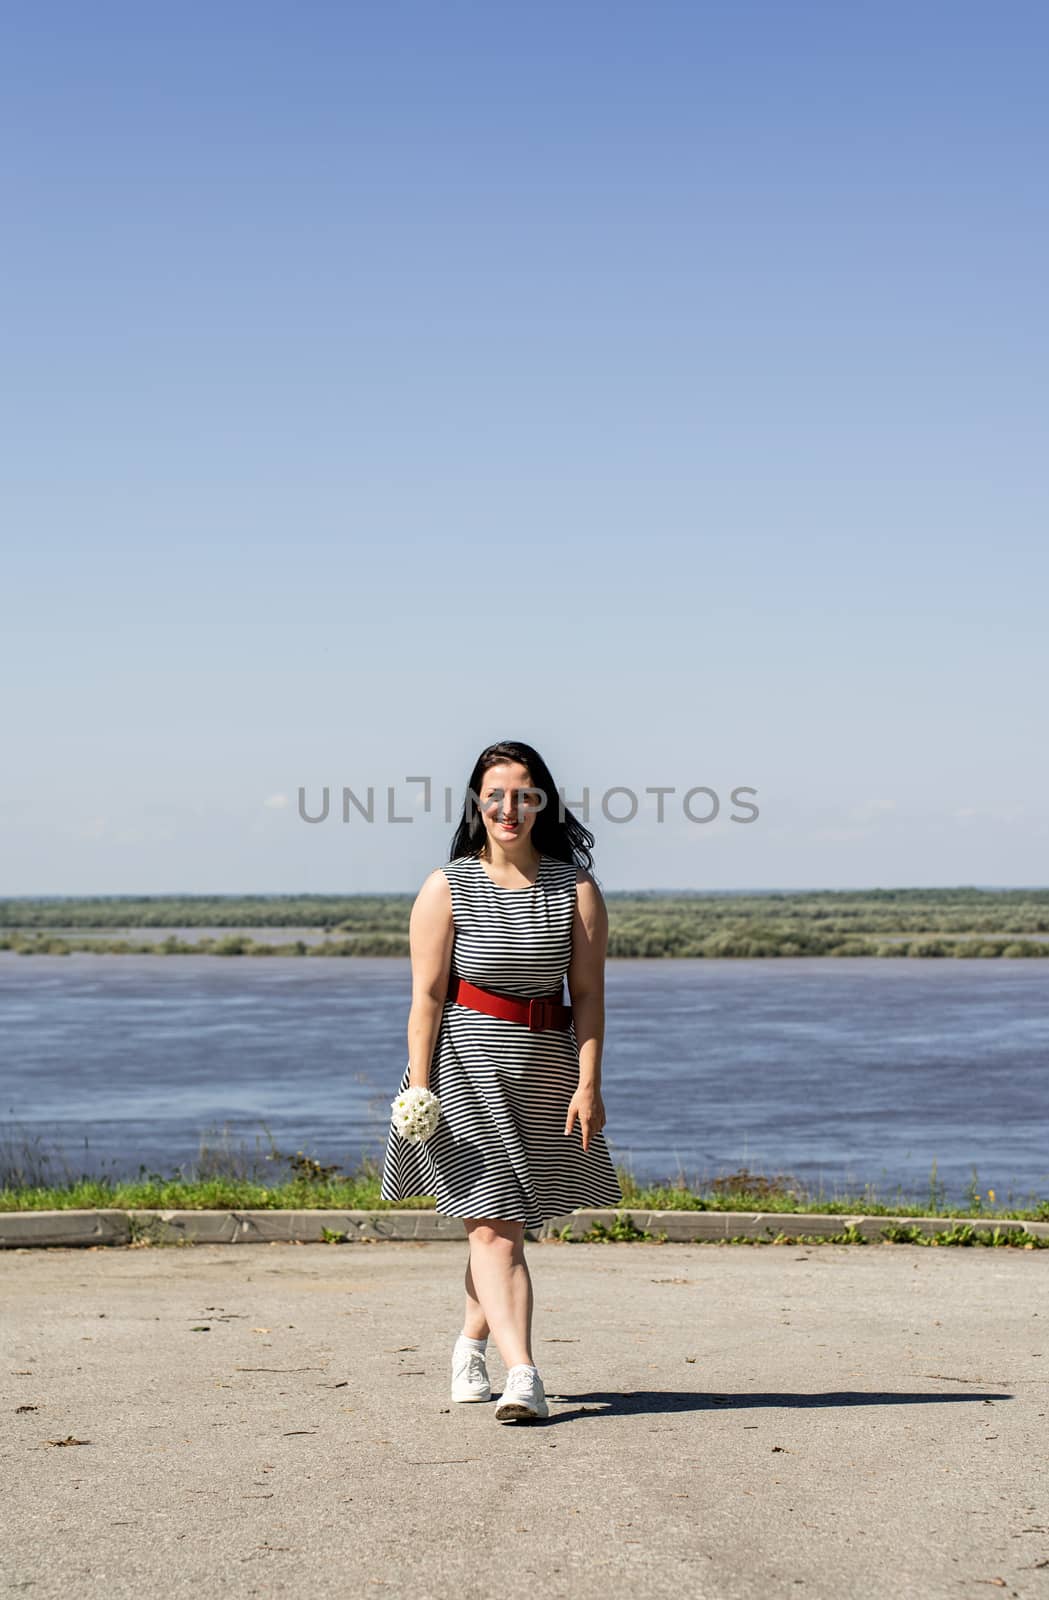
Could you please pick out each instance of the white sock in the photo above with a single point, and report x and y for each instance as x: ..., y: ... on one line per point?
x: 475, y: 1344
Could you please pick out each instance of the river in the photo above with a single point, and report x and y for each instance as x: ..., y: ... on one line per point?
x: 840, y: 1073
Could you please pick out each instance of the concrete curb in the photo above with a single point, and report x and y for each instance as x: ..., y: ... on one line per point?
x: 32, y: 1229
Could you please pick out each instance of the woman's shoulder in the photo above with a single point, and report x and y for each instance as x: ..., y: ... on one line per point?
x: 585, y: 884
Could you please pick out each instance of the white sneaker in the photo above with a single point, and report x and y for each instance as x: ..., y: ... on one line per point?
x: 523, y: 1398
x: 469, y: 1373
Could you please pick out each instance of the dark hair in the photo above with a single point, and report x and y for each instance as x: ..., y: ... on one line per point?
x: 565, y: 838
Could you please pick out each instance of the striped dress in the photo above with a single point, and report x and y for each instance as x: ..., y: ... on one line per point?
x: 500, y: 1148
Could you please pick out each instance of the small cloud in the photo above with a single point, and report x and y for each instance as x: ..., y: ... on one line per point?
x: 277, y: 802
x: 1006, y: 814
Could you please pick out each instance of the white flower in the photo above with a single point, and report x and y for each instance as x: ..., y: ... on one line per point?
x: 415, y: 1114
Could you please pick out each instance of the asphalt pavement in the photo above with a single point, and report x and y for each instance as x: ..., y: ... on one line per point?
x: 727, y: 1421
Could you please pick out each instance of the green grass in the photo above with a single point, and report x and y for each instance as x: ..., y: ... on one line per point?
x: 311, y: 1187
x: 963, y: 1234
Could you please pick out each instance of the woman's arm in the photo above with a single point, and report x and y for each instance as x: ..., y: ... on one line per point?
x: 431, y: 931
x: 586, y: 988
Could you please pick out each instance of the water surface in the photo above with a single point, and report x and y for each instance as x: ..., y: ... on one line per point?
x: 844, y: 1072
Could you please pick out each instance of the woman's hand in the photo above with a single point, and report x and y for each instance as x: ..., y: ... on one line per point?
x: 587, y: 1105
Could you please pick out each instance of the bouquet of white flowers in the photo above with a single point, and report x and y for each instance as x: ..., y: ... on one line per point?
x: 415, y: 1114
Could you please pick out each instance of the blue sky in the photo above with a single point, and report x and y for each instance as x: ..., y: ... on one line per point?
x: 661, y: 384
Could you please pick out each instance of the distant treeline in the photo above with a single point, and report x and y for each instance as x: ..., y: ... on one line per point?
x: 873, y: 922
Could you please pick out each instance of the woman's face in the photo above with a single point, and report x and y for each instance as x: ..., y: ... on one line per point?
x: 508, y: 802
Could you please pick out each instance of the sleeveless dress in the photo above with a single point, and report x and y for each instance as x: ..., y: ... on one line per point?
x: 500, y: 1149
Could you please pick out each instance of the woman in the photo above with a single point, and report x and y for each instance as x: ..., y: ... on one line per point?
x: 504, y: 923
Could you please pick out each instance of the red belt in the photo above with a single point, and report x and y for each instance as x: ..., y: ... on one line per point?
x: 548, y: 1011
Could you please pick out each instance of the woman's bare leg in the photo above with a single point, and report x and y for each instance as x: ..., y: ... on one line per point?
x: 475, y: 1323
x: 501, y: 1286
